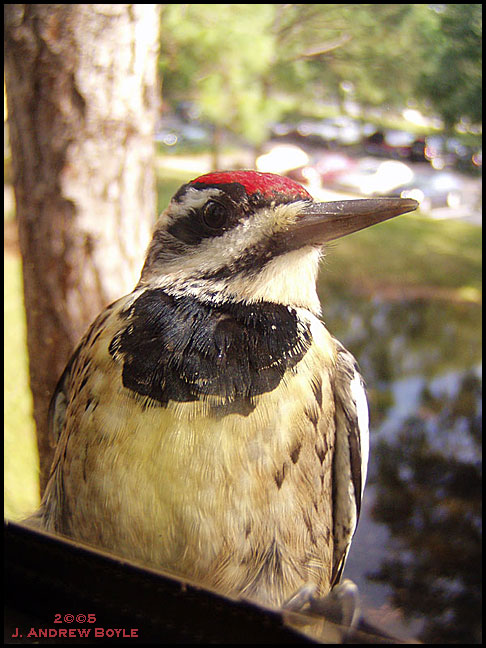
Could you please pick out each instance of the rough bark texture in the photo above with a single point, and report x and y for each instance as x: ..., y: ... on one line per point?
x: 82, y: 102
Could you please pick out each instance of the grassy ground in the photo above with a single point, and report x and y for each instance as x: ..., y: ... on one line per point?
x: 413, y: 254
x: 418, y: 255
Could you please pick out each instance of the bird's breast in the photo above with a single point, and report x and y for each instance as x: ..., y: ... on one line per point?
x: 219, y: 471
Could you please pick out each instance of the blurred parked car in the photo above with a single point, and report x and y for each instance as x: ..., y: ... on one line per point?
x: 343, y: 130
x: 432, y: 190
x: 280, y: 158
x: 331, y: 166
x: 395, y: 144
x: 443, y: 152
x: 325, y: 169
x: 324, y: 133
x: 371, y: 177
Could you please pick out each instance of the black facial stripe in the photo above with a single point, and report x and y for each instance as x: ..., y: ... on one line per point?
x: 193, y: 227
x: 249, y: 263
x: 182, y: 349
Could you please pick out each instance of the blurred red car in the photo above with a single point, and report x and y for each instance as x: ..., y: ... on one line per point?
x: 325, y: 169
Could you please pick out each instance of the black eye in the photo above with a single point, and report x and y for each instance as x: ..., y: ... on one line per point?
x: 214, y: 215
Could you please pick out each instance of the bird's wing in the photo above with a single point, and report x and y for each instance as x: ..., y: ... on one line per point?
x: 58, y: 404
x: 58, y: 438
x: 59, y: 401
x: 350, y: 456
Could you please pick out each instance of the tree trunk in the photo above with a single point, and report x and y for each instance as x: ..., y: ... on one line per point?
x: 82, y: 103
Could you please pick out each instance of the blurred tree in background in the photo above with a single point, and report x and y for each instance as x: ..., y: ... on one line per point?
x: 217, y: 56
x: 452, y: 73
x: 245, y: 66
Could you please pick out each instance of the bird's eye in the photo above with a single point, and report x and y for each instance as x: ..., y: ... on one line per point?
x: 214, y: 215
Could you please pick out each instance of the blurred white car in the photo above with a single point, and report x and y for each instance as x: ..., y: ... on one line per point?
x: 374, y: 177
x: 282, y: 158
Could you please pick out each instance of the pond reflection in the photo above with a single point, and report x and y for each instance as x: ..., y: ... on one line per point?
x: 417, y: 553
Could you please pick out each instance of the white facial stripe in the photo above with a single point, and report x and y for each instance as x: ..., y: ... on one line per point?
x: 362, y: 412
x: 192, y: 199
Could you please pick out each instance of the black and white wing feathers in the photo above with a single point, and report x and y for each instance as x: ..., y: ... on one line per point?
x: 351, y: 454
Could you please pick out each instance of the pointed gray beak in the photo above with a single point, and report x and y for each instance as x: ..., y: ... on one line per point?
x: 319, y: 223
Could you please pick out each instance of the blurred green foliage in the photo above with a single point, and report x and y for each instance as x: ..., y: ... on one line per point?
x: 219, y: 55
x: 451, y: 77
x: 245, y: 66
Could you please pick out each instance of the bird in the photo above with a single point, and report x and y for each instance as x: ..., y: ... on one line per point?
x: 208, y: 424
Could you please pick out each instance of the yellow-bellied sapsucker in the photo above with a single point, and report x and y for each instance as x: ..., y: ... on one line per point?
x: 208, y: 423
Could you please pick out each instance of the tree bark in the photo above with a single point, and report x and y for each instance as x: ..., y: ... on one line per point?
x: 82, y: 104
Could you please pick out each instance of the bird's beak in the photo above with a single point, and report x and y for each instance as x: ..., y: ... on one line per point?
x: 319, y: 223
